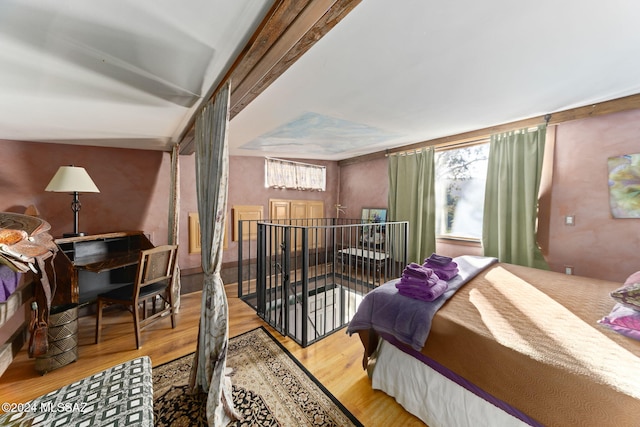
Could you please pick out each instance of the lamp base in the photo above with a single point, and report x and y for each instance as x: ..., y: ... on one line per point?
x: 72, y: 234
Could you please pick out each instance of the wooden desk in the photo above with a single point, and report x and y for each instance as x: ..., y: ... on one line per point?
x: 88, y: 265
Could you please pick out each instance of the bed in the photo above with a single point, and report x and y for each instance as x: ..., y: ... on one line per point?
x: 511, y: 346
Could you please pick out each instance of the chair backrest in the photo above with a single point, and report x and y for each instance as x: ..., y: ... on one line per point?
x: 155, y: 265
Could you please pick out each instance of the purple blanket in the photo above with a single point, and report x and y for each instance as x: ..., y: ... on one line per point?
x: 409, y: 319
x: 9, y: 280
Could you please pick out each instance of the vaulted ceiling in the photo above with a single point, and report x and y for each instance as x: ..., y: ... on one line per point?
x: 312, y: 79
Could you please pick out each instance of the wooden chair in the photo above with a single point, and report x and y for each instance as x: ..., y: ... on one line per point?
x: 153, y: 279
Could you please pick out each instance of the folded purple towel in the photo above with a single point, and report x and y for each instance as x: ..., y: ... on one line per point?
x: 448, y: 267
x: 416, y: 282
x: 423, y: 293
x: 446, y: 274
x: 439, y: 259
x: 418, y: 271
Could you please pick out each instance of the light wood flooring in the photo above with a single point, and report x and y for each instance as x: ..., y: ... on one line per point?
x: 335, y: 361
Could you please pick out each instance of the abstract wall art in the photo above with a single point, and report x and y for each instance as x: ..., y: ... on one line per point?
x: 624, y: 186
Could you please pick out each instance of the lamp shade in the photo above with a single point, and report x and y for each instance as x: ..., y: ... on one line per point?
x: 71, y: 179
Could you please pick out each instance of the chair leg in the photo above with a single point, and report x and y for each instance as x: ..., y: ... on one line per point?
x: 172, y: 309
x: 98, y: 321
x: 136, y: 324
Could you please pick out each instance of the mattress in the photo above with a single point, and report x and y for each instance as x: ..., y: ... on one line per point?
x: 530, y: 338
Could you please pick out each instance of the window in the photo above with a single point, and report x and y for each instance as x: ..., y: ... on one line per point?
x: 461, y: 174
x: 300, y: 176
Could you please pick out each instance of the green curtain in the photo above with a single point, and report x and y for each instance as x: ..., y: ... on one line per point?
x: 511, y: 197
x: 208, y: 372
x: 412, y: 199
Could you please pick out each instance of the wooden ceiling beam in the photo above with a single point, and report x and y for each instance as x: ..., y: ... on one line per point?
x: 289, y: 30
x: 316, y: 20
x: 283, y: 14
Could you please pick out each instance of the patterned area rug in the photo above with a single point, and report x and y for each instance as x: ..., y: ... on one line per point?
x: 270, y: 388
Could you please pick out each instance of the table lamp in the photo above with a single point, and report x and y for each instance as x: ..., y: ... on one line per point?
x: 74, y: 180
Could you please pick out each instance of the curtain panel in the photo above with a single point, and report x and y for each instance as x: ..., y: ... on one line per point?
x: 208, y: 373
x: 412, y: 199
x: 511, y: 197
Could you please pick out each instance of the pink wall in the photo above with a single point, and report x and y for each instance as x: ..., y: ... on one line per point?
x: 363, y: 185
x: 132, y: 183
x: 246, y: 187
x: 134, y: 187
x: 597, y: 245
x: 134, y: 190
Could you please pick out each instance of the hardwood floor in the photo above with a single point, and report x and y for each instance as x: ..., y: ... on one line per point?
x: 335, y: 361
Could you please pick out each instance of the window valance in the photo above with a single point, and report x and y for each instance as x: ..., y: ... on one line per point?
x: 289, y: 174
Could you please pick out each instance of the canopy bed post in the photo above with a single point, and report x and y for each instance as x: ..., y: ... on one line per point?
x: 174, y: 220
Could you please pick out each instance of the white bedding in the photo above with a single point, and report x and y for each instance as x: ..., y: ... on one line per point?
x: 430, y: 396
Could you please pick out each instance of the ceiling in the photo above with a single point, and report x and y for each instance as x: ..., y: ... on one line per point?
x: 119, y: 73
x: 372, y: 76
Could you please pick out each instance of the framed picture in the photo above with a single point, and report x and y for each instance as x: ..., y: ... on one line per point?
x: 373, y: 235
x: 624, y: 186
x: 374, y: 215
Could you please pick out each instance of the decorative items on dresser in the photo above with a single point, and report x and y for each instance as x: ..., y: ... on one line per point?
x: 26, y: 253
x: 48, y: 281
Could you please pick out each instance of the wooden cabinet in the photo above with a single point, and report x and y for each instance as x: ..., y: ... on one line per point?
x: 246, y: 213
x: 195, y: 236
x: 88, y: 265
x: 301, y: 213
x: 296, y: 209
x: 279, y: 209
x: 315, y: 209
x: 299, y: 210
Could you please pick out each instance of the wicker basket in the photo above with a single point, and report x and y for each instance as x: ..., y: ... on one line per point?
x: 63, y: 339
